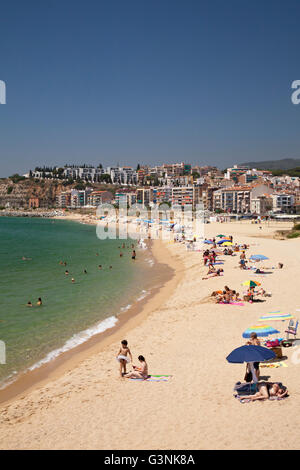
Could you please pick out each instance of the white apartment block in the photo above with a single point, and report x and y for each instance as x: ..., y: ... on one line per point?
x: 283, y: 202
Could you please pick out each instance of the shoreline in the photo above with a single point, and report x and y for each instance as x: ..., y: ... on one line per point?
x: 32, y: 379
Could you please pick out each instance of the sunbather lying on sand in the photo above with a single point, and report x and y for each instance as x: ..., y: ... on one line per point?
x: 267, y: 390
x: 214, y: 274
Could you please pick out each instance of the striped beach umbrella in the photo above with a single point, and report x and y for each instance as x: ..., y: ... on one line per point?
x: 276, y: 316
x: 227, y: 244
x: 260, y: 330
x: 258, y: 257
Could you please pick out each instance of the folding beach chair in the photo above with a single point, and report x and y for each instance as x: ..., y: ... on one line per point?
x: 292, y: 329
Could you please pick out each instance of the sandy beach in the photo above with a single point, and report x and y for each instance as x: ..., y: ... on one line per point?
x: 86, y: 405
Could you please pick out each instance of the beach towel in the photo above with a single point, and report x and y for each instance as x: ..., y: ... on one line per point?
x: 245, y: 388
x: 154, y: 378
x: 241, y: 304
x: 274, y: 365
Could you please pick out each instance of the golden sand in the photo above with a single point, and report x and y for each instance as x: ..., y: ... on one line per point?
x: 87, y: 406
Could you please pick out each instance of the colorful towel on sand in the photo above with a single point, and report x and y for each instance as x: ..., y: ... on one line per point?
x: 248, y: 400
x: 154, y: 378
x: 273, y: 365
x: 232, y: 303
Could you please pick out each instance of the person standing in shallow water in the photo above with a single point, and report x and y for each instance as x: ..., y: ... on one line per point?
x: 133, y: 256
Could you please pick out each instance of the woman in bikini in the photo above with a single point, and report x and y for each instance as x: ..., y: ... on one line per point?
x: 267, y: 390
x: 139, y: 372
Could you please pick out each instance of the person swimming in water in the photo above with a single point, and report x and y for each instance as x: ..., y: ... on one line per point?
x: 73, y: 280
x: 29, y: 304
x: 67, y: 273
x: 100, y: 266
x: 85, y: 271
x: 39, y: 302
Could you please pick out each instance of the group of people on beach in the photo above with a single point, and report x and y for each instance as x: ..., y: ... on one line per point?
x: 209, y: 259
x: 226, y: 296
x: 264, y: 390
x: 124, y: 357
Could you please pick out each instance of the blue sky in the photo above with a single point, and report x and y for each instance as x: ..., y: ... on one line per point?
x: 130, y: 82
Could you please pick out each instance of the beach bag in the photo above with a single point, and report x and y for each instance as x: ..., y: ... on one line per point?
x: 272, y: 344
x: 248, y: 376
x: 245, y: 389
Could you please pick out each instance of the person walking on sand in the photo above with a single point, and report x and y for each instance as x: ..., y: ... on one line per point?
x: 133, y: 256
x: 139, y: 372
x: 254, y: 341
x: 122, y: 356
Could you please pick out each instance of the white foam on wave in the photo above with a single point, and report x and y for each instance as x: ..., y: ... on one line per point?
x: 123, y: 309
x: 150, y: 262
x: 143, y: 295
x: 76, y: 340
x: 142, y: 245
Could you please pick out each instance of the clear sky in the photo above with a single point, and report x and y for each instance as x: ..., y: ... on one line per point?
x: 134, y: 81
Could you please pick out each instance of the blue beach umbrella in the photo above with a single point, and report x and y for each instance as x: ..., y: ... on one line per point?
x: 250, y: 353
x: 260, y: 330
x: 258, y: 257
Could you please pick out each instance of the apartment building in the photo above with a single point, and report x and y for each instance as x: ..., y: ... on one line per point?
x: 63, y: 199
x: 95, y: 198
x: 188, y: 195
x: 86, y: 173
x: 283, y: 202
x: 125, y: 198
x: 125, y: 175
x: 144, y: 196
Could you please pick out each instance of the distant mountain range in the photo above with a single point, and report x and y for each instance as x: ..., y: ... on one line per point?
x: 284, y: 164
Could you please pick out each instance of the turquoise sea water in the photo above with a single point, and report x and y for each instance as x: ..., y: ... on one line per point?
x: 70, y: 312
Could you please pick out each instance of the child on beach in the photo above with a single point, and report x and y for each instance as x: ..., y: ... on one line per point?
x: 122, y: 356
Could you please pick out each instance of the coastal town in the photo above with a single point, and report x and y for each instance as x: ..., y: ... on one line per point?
x: 239, y: 190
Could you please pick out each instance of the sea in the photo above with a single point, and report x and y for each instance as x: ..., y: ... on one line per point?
x: 31, y: 253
